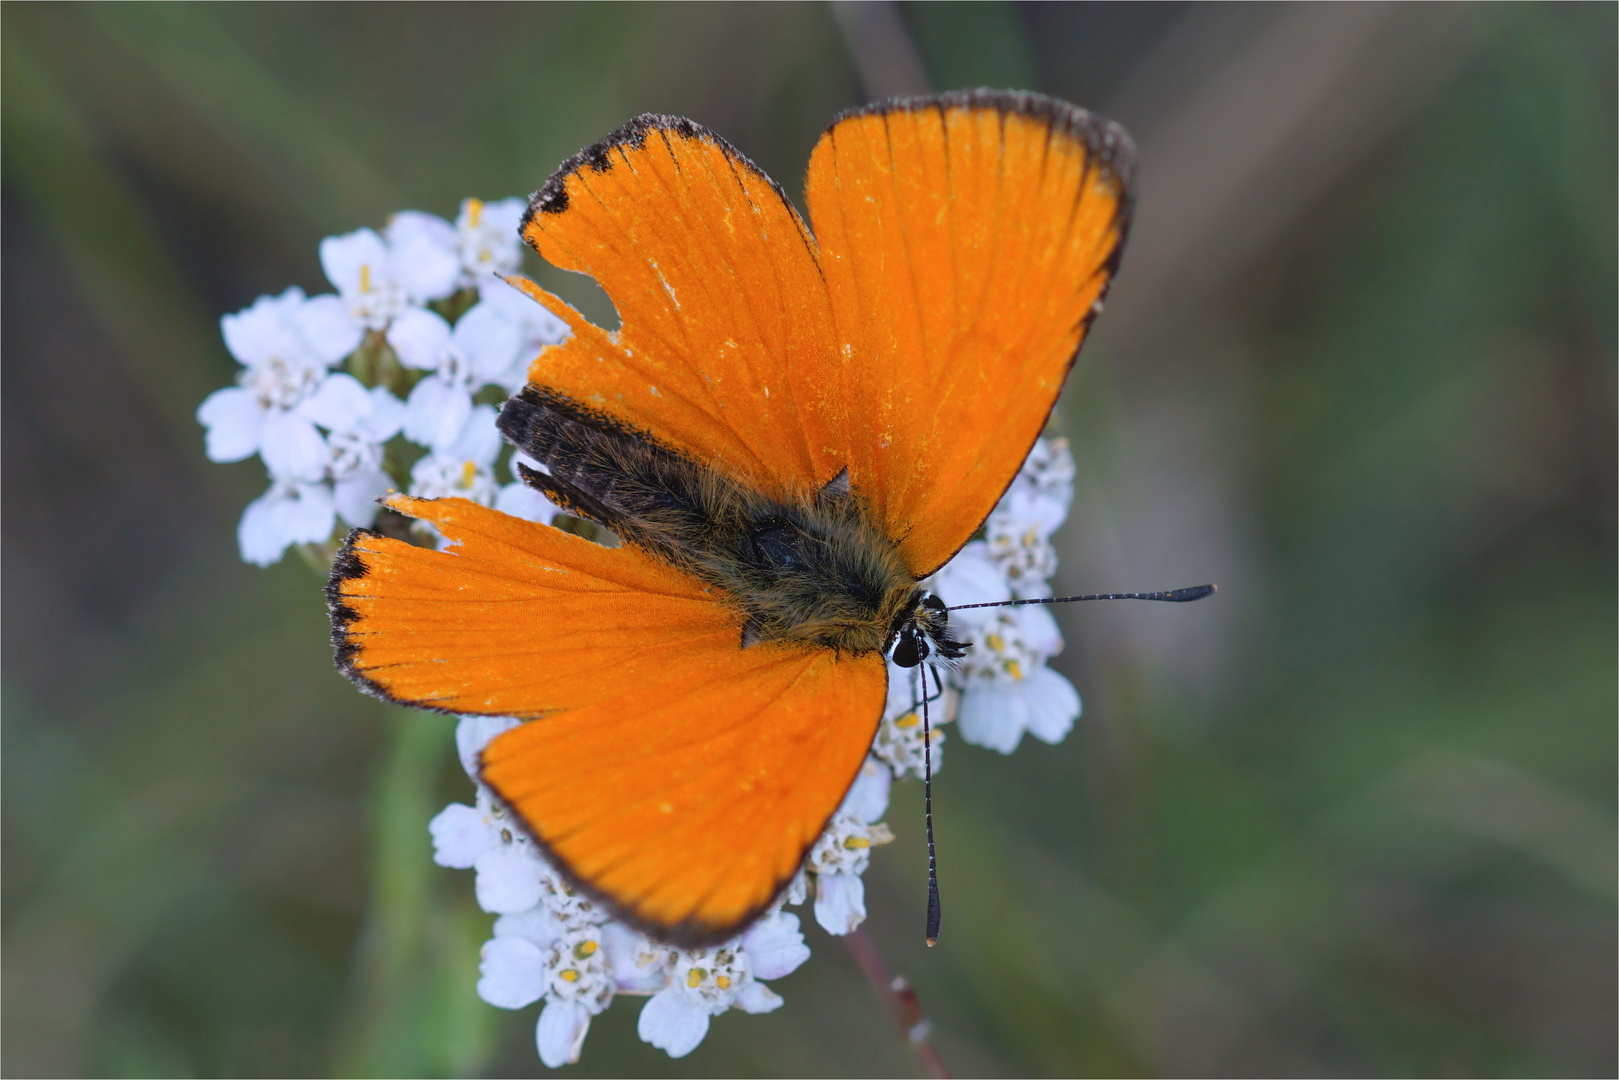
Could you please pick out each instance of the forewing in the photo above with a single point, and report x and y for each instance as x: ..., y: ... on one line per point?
x: 967, y: 241
x: 675, y: 775
x: 726, y: 327
x: 515, y: 619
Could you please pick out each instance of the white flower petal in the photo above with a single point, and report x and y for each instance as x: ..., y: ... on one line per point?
x: 413, y: 225
x: 442, y: 476
x: 343, y: 256
x: 327, y: 328
x: 638, y: 966
x: 798, y: 891
x: 538, y: 325
x: 386, y: 417
x: 775, y: 946
x: 262, y: 331
x: 436, y: 413
x: 508, y: 879
x: 356, y: 496
x: 234, y: 419
x: 260, y: 539
x: 487, y: 239
x: 1038, y: 628
x: 473, y: 733
x: 992, y: 718
x: 505, y: 215
x: 488, y: 340
x: 1052, y: 703
x: 421, y: 338
x: 1033, y: 508
x: 460, y: 835
x: 521, y: 501
x: 511, y: 972
x: 672, y: 1023
x: 840, y: 902
x: 538, y: 924
x: 479, y: 440
x: 291, y: 447
x: 424, y: 270
x: 560, y: 1033
x: 339, y: 403
x: 309, y: 516
x: 516, y: 305
x: 972, y: 577
x: 867, y: 799
x: 423, y: 255
x: 756, y: 997
x: 511, y: 302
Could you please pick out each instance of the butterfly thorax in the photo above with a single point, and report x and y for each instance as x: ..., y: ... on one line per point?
x: 812, y: 568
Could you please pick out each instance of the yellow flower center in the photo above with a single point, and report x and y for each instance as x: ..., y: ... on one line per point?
x: 474, y: 211
x: 568, y: 975
x: 469, y: 472
x: 855, y: 843
x: 723, y: 982
x: 909, y: 720
x: 995, y: 641
x: 1014, y: 669
x: 365, y: 277
x: 584, y: 949
x: 694, y: 978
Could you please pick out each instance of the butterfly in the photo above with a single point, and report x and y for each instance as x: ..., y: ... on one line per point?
x: 796, y: 424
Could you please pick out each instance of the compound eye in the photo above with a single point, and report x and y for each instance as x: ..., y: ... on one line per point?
x: 933, y: 603
x: 909, y: 649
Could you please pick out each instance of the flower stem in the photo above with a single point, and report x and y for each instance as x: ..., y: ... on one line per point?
x: 903, y: 1004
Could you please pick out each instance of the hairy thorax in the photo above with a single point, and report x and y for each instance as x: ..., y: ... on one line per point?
x: 815, y: 568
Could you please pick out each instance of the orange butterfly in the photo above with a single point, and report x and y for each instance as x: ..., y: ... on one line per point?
x: 795, y: 425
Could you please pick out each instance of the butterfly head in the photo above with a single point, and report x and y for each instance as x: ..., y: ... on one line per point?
x: 922, y: 632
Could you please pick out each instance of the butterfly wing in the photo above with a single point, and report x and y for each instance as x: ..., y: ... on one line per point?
x: 726, y: 326
x: 676, y: 776
x: 963, y: 243
x: 966, y: 241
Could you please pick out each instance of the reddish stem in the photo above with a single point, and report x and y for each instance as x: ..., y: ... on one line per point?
x: 903, y: 1004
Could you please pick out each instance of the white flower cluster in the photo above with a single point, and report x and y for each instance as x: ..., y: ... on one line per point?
x: 340, y: 394
x: 552, y: 944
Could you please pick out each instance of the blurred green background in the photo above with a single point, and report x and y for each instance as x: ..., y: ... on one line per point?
x: 1353, y: 816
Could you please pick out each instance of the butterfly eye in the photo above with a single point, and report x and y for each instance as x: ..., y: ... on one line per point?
x: 933, y: 603
x: 910, y: 649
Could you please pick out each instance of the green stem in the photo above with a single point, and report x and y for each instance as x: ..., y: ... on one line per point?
x: 413, y: 1009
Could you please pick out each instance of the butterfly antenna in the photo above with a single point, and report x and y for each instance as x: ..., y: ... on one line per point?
x: 1173, y: 596
x: 927, y: 815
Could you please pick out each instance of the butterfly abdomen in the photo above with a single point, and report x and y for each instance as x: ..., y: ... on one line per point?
x: 813, y: 568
